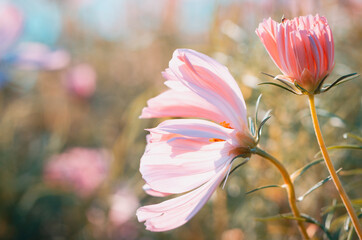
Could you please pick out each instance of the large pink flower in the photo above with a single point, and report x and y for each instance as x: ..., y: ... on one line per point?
x: 191, y: 156
x: 302, y: 48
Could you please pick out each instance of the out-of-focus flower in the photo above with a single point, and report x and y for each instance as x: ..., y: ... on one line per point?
x: 192, y: 156
x: 34, y: 56
x: 123, y: 206
x: 16, y: 50
x: 81, y: 80
x: 79, y: 169
x: 302, y: 48
x: 11, y: 22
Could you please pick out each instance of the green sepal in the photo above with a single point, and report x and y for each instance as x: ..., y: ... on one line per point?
x: 326, y: 88
x: 277, y: 85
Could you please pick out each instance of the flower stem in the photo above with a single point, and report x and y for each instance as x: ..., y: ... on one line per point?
x: 289, y: 186
x: 342, y: 193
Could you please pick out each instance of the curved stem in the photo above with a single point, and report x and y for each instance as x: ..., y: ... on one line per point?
x: 289, y: 186
x: 342, y: 193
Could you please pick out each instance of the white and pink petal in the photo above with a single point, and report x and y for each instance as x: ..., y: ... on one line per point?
x: 175, y: 212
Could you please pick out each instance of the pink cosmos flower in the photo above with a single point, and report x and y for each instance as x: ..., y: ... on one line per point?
x: 81, y: 80
x: 79, y: 169
x: 191, y: 156
x: 302, y: 48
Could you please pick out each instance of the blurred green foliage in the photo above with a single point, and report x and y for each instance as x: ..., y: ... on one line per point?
x: 45, y: 119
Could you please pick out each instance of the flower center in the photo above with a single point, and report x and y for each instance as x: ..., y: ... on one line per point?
x: 225, y: 125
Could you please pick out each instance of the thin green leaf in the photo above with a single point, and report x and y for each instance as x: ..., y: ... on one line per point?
x: 352, y: 147
x: 277, y: 85
x: 339, y: 80
x: 264, y: 187
x: 286, y: 216
x: 239, y: 165
x: 295, y: 175
x: 310, y: 219
x: 355, y: 202
x: 347, y: 135
x: 223, y: 182
x: 319, y: 184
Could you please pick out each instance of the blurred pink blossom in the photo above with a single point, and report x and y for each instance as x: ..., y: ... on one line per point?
x: 123, y: 206
x: 191, y: 156
x: 33, y: 56
x: 81, y: 169
x: 11, y: 24
x: 15, y: 52
x: 302, y: 48
x: 81, y: 80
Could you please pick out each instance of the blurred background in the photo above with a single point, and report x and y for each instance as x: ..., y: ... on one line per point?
x: 75, y: 75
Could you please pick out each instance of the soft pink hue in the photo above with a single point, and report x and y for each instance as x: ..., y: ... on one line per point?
x: 26, y: 55
x: 302, y: 48
x: 81, y: 80
x: 123, y: 206
x: 79, y: 169
x: 11, y: 24
x: 33, y: 56
x: 191, y: 156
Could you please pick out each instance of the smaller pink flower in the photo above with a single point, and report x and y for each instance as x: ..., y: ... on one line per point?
x: 81, y: 169
x: 302, y: 48
x: 81, y: 80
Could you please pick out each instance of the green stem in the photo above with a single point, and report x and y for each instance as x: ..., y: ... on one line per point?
x: 289, y: 186
x: 342, y: 193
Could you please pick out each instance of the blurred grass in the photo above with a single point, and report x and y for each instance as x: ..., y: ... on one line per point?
x: 44, y: 120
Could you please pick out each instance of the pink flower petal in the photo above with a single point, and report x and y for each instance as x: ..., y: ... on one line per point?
x: 201, y: 87
x: 173, y: 213
x: 304, y: 43
x: 210, y: 80
x: 194, y: 128
x: 181, y: 104
x: 147, y: 188
x: 180, y: 164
